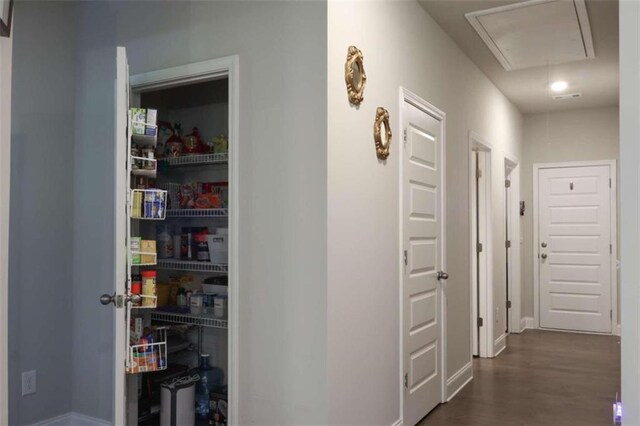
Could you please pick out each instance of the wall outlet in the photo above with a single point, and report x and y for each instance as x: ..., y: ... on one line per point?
x: 28, y: 382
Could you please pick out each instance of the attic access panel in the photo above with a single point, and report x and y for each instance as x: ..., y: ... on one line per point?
x: 535, y: 32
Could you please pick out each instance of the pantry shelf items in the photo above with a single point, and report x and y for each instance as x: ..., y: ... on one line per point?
x: 191, y: 266
x: 196, y: 160
x: 148, y: 204
x: 198, y: 213
x: 149, y: 351
x: 189, y: 319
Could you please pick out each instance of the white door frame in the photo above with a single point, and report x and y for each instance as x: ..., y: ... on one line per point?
x: 189, y: 74
x: 485, y: 342
x: 415, y: 100
x: 614, y: 235
x: 5, y: 178
x: 515, y: 277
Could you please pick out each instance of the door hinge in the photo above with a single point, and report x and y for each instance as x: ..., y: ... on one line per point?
x: 507, y: 244
x: 508, y: 304
x: 480, y: 322
x: 609, y: 182
x: 404, y: 137
x: 610, y: 249
x: 507, y: 183
x: 478, y: 173
x: 406, y: 380
x: 479, y: 247
x: 405, y: 258
x: 611, y: 313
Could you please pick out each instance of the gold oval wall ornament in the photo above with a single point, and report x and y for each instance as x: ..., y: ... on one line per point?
x: 354, y: 75
x: 382, y: 133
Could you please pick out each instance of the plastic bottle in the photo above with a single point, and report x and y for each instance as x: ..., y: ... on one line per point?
x: 165, y: 242
x: 203, y: 387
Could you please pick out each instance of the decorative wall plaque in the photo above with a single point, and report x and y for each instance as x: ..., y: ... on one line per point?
x: 382, y: 133
x: 354, y: 75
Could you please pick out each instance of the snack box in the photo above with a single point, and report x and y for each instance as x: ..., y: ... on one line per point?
x: 143, y: 121
x: 148, y: 246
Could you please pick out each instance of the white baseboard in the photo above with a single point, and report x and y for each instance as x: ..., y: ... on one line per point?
x: 397, y: 423
x: 459, y: 380
x: 73, y: 419
x: 500, y: 344
x: 526, y: 322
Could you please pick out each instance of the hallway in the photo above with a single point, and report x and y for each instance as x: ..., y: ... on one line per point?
x: 542, y: 378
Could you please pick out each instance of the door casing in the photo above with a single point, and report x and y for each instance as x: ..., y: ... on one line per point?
x: 483, y: 298
x: 515, y: 274
x: 408, y: 96
x: 614, y: 236
x: 177, y: 76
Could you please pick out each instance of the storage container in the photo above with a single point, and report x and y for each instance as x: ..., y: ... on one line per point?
x: 218, y: 248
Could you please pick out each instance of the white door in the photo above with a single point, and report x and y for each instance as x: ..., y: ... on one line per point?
x: 574, y: 241
x: 5, y: 176
x: 423, y: 260
x: 120, y: 235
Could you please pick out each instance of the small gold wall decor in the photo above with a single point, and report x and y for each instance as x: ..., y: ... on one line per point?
x: 354, y: 75
x: 382, y: 133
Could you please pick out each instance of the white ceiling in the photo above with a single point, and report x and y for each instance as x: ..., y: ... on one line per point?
x: 596, y: 79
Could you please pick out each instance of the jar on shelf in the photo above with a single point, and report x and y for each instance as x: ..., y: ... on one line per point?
x: 148, y: 152
x: 135, y: 152
x: 136, y: 284
x: 149, y: 288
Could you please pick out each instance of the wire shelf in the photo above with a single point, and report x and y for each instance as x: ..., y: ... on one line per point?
x: 144, y: 140
x: 142, y: 171
x: 147, y: 302
x: 191, y: 266
x: 189, y: 319
x: 196, y: 160
x: 148, y: 204
x: 148, y: 357
x: 198, y: 213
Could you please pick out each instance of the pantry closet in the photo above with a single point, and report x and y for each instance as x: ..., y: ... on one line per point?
x: 176, y: 244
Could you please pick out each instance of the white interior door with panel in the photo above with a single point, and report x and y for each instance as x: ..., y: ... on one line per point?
x: 575, y: 247
x: 6, y: 44
x: 423, y: 259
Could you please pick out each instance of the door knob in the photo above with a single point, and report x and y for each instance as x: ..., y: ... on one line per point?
x: 105, y: 299
x: 133, y: 298
x: 544, y: 245
x: 543, y: 255
x: 442, y: 275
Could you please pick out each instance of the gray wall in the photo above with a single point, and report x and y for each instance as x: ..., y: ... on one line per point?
x: 402, y: 46
x: 573, y: 135
x: 41, y: 227
x: 283, y: 185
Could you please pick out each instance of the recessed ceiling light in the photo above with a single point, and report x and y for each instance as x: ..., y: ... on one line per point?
x: 559, y: 86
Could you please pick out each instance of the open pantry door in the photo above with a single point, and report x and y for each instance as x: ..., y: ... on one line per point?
x: 121, y: 232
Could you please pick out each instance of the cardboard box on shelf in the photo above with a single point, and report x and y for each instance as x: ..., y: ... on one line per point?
x: 148, y: 246
x: 143, y: 121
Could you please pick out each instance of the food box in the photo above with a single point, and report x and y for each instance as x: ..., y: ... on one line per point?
x: 143, y: 121
x: 146, y: 247
x: 135, y: 250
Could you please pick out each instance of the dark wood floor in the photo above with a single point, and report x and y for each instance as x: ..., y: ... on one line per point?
x: 542, y: 378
